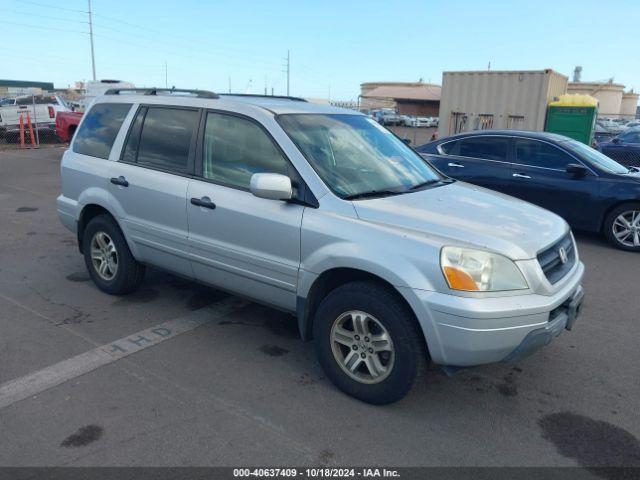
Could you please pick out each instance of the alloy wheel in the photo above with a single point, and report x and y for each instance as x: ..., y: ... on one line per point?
x: 626, y: 228
x: 104, y: 256
x: 362, y: 347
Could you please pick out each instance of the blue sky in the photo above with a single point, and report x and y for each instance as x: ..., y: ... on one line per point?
x: 335, y: 45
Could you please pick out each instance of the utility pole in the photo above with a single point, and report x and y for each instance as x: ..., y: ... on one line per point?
x: 166, y: 83
x: 93, y: 58
x: 288, y: 71
x: 229, y: 84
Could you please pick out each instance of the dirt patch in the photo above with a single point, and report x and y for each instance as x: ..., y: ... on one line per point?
x: 592, y: 443
x: 144, y: 295
x: 273, y: 350
x: 78, y: 277
x: 84, y: 436
x: 508, y: 387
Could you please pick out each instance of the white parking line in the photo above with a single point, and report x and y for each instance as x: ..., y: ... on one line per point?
x: 36, y: 382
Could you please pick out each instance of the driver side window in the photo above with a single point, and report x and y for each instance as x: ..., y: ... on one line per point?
x: 541, y: 154
x: 235, y: 148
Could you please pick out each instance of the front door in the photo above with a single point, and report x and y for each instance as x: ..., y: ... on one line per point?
x: 239, y: 242
x: 150, y: 182
x: 539, y: 176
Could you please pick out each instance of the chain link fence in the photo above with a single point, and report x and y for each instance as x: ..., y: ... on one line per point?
x: 29, y: 121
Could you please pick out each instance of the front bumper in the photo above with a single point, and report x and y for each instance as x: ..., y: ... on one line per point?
x: 465, y: 331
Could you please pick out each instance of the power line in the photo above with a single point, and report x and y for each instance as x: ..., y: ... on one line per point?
x: 50, y: 6
x: 40, y: 27
x: 48, y: 17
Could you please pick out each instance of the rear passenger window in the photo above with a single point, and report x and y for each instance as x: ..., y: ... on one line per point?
x: 449, y: 148
x: 100, y: 128
x: 235, y: 148
x: 541, y: 154
x: 489, y: 148
x: 165, y: 139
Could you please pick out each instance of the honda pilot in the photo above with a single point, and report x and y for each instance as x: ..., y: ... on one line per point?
x: 321, y: 212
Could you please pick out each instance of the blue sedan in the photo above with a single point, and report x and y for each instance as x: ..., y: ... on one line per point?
x: 590, y: 190
x: 625, y: 148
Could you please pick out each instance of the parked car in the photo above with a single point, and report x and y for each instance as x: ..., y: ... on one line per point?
x: 589, y: 190
x: 610, y: 125
x: 435, y: 121
x: 624, y: 148
x: 323, y: 213
x: 420, y: 122
x: 389, y: 117
x: 632, y: 124
x: 42, y: 110
x: 66, y: 124
x: 601, y: 134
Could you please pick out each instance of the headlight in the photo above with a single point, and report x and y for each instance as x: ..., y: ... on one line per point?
x: 476, y: 270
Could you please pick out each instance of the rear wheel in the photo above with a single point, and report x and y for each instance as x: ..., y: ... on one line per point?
x: 368, y: 342
x: 108, y: 258
x: 622, y: 227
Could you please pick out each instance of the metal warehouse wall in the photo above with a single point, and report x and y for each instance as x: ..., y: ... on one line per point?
x: 495, y: 99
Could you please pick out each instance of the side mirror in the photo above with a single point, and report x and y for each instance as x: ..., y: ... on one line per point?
x: 577, y: 169
x: 407, y: 141
x: 271, y: 186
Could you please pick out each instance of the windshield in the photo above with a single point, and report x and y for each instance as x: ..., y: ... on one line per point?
x: 354, y: 155
x: 595, y: 157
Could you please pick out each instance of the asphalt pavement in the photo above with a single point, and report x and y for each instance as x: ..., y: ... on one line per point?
x: 231, y: 384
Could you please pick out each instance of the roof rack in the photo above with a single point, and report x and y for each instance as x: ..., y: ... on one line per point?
x: 154, y: 91
x: 257, y: 95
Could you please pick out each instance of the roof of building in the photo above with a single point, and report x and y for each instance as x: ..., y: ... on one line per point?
x: 421, y: 92
x: 26, y: 84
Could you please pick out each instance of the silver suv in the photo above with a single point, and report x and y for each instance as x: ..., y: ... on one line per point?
x: 323, y: 213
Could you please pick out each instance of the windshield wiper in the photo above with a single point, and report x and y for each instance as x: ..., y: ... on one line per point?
x: 372, y: 193
x: 420, y: 185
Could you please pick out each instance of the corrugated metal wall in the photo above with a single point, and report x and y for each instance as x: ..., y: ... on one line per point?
x: 493, y: 99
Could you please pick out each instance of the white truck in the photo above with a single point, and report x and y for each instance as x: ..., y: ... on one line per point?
x: 42, y: 110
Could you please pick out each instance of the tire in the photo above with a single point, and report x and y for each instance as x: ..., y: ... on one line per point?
x: 385, y: 313
x: 104, y: 239
x: 614, y: 224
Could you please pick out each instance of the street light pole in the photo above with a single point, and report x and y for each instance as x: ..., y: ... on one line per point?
x: 93, y: 58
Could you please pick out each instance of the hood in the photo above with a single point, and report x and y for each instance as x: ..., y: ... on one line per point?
x: 460, y: 213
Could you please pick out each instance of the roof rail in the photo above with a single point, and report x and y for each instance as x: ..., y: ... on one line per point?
x: 257, y: 95
x: 154, y: 91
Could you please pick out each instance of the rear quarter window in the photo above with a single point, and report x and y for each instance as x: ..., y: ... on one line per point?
x: 100, y: 128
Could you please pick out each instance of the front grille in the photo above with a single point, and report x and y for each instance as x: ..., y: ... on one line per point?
x: 551, y: 261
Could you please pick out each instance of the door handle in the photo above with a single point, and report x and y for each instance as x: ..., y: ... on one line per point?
x: 204, y: 202
x: 121, y: 181
x: 455, y: 165
x: 520, y: 175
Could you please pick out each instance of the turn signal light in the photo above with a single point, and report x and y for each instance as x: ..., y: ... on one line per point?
x: 459, y: 280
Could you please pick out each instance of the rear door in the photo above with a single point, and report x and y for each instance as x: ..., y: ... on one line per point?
x: 482, y: 160
x: 539, y: 176
x: 150, y: 182
x: 246, y: 244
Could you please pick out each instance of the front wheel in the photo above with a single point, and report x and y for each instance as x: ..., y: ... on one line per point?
x: 622, y: 227
x: 368, y: 342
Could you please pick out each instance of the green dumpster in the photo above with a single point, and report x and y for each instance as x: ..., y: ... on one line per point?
x: 573, y: 116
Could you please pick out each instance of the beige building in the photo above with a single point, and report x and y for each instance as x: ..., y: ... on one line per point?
x: 492, y: 99
x: 414, y: 98
x: 629, y: 105
x: 608, y: 94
